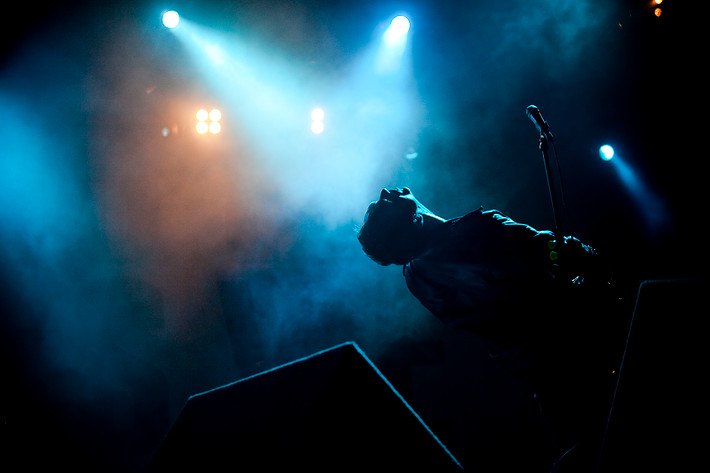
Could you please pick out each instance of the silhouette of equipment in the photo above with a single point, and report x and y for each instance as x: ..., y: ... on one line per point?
x: 334, y: 410
x: 331, y: 411
x: 659, y: 409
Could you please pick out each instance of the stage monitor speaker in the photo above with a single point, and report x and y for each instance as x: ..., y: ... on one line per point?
x: 656, y: 414
x: 332, y: 411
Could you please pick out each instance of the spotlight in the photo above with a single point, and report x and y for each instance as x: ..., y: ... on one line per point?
x: 657, y: 11
x: 317, y: 114
x: 400, y: 24
x: 397, y: 31
x: 317, y: 128
x: 317, y: 125
x: 215, y: 128
x: 606, y: 152
x: 208, y: 121
x: 171, y: 19
x: 215, y: 115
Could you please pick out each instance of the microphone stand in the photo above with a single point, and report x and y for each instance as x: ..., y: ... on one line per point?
x: 545, y: 139
x: 544, y: 148
x: 556, y: 245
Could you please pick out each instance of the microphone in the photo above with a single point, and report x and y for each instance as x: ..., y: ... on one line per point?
x: 536, y: 117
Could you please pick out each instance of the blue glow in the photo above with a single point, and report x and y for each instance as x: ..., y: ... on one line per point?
x: 35, y: 188
x: 171, y: 19
x: 215, y: 54
x: 652, y: 207
x: 606, y: 152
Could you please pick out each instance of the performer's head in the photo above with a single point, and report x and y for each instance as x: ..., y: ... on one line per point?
x: 393, y: 227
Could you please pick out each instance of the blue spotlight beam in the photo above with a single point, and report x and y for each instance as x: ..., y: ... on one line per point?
x: 394, y: 43
x: 652, y: 207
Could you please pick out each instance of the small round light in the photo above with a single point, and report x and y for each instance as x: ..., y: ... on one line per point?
x: 201, y: 128
x: 396, y: 34
x: 215, y: 128
x: 317, y: 114
x: 606, y: 152
x: 202, y: 115
x: 317, y: 127
x: 171, y: 19
x: 400, y: 24
x: 215, y: 115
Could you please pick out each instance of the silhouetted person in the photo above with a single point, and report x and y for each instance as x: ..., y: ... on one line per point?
x: 541, y: 302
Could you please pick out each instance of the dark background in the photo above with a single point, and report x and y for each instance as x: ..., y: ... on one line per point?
x: 138, y: 269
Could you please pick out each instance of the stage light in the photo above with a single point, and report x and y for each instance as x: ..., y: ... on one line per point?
x: 317, y: 128
x: 389, y: 56
x: 317, y: 116
x: 202, y: 127
x: 208, y: 121
x: 397, y: 31
x: 171, y: 19
x: 400, y: 24
x: 606, y: 152
x: 215, y: 115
